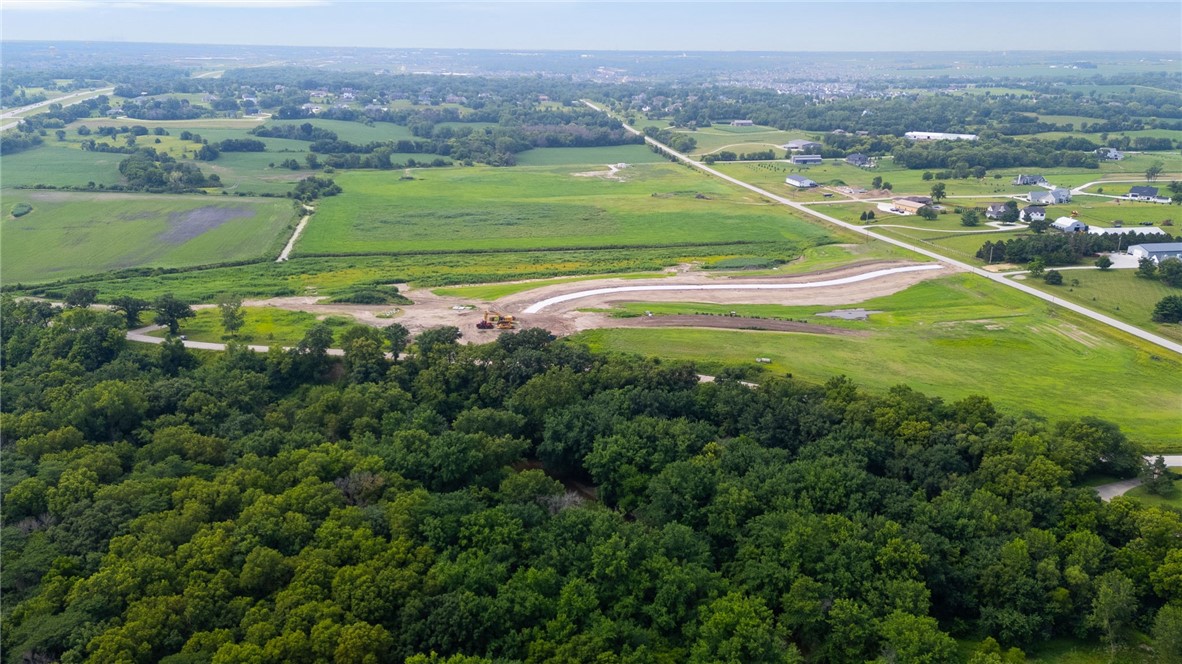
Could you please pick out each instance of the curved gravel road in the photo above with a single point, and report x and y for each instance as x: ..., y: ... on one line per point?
x: 538, y: 306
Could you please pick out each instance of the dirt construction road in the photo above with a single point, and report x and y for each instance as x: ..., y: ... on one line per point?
x: 845, y: 285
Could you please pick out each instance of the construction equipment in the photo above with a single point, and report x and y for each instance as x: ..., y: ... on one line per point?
x: 497, y: 320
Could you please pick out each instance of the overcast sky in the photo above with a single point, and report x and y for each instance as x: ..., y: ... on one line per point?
x: 982, y: 25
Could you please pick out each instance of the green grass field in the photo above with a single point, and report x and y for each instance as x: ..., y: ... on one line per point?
x: 263, y: 326
x: 722, y: 136
x: 355, y: 132
x: 59, y: 165
x: 953, y: 337
x: 612, y: 154
x: 70, y: 234
x: 1117, y: 293
x: 466, y: 209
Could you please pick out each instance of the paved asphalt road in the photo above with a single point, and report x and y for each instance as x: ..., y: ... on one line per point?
x: 64, y: 101
x: 1001, y: 279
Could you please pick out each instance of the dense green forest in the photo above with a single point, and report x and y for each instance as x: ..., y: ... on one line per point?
x: 525, y: 500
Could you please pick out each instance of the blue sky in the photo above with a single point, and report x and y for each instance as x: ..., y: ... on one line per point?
x: 764, y: 26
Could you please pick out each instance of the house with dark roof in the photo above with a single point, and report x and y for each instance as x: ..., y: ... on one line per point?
x: 858, y: 159
x: 1033, y: 213
x: 1110, y: 154
x: 1142, y: 193
x: 806, y: 159
x: 995, y: 211
x: 1029, y: 179
x: 1041, y: 197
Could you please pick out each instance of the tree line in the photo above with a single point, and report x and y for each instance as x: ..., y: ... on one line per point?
x: 421, y: 500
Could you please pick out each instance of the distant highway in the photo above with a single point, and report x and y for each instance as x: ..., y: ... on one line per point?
x: 64, y: 101
x: 998, y: 278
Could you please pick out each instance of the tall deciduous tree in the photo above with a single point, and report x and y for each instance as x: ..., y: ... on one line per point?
x: 170, y: 312
x: 233, y: 317
x: 131, y: 308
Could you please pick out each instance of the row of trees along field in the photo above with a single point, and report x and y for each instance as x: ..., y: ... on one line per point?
x: 284, y: 507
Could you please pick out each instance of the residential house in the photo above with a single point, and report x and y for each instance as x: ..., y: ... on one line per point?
x: 1061, y: 195
x: 1110, y: 154
x: 1142, y: 193
x: 1041, y: 198
x: 800, y: 182
x: 1033, y: 213
x: 1029, y: 179
x: 861, y: 132
x: 806, y: 159
x: 995, y: 211
x: 859, y: 159
x: 801, y: 145
x: 742, y: 123
x: 1069, y: 225
x: 1157, y: 252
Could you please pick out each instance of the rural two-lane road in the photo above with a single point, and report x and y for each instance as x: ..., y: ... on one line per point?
x: 999, y: 278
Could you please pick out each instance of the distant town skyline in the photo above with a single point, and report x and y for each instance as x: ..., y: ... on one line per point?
x: 957, y: 25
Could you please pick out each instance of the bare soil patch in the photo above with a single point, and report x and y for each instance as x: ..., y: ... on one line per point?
x: 184, y: 226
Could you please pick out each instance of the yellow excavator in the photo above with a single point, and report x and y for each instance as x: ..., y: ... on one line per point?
x: 497, y: 320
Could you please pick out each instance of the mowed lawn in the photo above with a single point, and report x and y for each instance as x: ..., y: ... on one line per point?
x: 70, y: 234
x: 953, y: 337
x: 482, y: 208
x: 262, y: 326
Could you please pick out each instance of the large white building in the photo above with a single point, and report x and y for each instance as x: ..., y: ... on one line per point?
x: 1144, y: 230
x: 1069, y: 225
x: 938, y: 136
x: 1157, y: 252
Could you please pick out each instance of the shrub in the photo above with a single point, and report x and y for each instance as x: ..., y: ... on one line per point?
x: 21, y: 209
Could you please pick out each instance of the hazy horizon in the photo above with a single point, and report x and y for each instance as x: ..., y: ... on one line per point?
x: 836, y: 27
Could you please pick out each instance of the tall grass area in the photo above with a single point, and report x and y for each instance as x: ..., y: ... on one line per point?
x: 953, y: 337
x: 336, y: 276
x: 481, y: 209
x: 71, y: 234
x: 262, y: 326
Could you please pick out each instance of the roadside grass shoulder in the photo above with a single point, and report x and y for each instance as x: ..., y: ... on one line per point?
x: 953, y: 337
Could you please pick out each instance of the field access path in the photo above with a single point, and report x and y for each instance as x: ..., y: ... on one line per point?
x: 995, y: 277
x: 295, y: 235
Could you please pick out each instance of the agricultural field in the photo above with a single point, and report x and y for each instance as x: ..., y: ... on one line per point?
x: 355, y: 132
x: 1117, y: 293
x: 574, y: 206
x: 953, y: 337
x: 70, y: 234
x: 60, y: 164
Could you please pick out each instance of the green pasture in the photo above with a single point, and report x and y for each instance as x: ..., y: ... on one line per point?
x: 1117, y: 293
x: 251, y: 172
x: 61, y: 165
x: 483, y: 209
x: 70, y: 234
x: 263, y: 326
x: 597, y: 156
x: 953, y: 337
x: 960, y: 246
